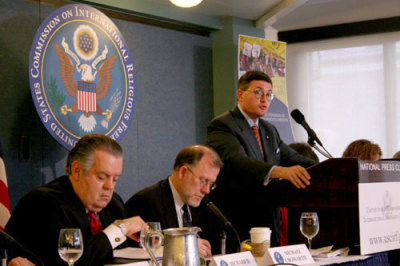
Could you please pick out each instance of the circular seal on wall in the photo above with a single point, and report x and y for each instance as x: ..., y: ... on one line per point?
x: 82, y: 75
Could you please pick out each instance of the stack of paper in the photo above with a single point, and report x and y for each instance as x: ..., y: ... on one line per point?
x: 328, y: 252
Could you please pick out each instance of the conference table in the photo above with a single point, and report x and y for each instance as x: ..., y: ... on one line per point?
x: 383, y: 258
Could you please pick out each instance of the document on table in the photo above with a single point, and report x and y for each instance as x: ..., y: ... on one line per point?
x: 338, y: 260
x: 136, y: 253
x: 328, y: 252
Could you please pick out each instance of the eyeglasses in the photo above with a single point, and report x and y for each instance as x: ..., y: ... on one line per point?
x: 259, y: 94
x: 203, y: 181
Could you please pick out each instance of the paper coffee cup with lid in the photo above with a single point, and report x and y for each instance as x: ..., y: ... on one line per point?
x: 260, y: 235
x: 260, y: 240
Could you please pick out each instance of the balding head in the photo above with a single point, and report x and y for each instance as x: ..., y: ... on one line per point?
x: 191, y: 155
x: 195, y: 171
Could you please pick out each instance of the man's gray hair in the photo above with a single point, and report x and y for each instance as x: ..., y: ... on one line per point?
x: 86, y: 147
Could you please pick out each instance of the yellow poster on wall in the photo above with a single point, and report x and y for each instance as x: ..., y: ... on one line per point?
x: 269, y: 57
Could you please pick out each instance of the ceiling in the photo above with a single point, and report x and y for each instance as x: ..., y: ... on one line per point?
x: 282, y: 15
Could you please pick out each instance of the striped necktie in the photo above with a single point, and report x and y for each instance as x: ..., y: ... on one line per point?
x: 186, y: 219
x: 257, y: 135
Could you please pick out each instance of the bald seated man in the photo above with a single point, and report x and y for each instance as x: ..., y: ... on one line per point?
x: 176, y: 200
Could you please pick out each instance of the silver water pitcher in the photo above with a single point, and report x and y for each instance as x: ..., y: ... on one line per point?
x: 180, y: 246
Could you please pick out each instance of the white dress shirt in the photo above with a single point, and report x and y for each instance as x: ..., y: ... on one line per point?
x: 178, y: 203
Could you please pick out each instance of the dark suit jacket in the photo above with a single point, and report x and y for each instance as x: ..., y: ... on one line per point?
x: 240, y: 192
x: 156, y: 204
x: 39, y: 216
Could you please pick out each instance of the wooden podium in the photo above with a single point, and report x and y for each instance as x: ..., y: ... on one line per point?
x: 333, y: 194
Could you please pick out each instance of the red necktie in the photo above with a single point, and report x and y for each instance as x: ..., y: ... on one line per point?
x: 95, y: 225
x: 284, y: 218
x: 283, y: 221
x: 284, y: 227
x: 257, y: 134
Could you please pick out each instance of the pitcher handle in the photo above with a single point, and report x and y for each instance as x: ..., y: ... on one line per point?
x: 146, y: 244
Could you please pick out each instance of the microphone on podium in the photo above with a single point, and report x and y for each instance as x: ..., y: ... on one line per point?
x: 299, y: 118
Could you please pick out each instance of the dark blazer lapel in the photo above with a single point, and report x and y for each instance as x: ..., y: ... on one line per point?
x: 247, y: 133
x: 169, y: 211
x: 266, y: 139
x: 76, y: 212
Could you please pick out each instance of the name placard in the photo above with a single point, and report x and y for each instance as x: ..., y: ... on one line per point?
x: 234, y: 259
x: 294, y: 254
x: 379, y: 206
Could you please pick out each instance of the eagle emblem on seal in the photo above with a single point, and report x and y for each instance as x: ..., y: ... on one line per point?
x: 95, y: 76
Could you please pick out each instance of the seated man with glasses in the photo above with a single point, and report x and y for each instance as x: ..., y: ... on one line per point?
x: 254, y: 156
x: 176, y: 200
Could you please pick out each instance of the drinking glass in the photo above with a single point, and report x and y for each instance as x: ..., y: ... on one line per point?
x: 154, y: 241
x: 70, y: 245
x: 309, y: 226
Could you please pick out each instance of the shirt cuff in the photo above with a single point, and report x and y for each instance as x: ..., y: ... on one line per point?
x: 268, y: 176
x: 114, y: 235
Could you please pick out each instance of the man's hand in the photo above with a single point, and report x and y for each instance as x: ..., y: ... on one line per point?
x: 295, y: 174
x: 204, y: 248
x: 19, y: 261
x: 133, y: 225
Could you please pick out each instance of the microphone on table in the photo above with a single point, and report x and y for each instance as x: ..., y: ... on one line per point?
x: 218, y: 213
x: 7, y: 240
x: 214, y: 209
x: 299, y: 118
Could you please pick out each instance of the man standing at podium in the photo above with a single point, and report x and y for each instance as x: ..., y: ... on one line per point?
x: 254, y: 158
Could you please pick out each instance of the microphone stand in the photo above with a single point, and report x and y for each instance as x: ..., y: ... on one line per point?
x: 325, y: 153
x: 214, y: 209
x: 223, y: 242
x: 223, y: 237
x: 3, y: 256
